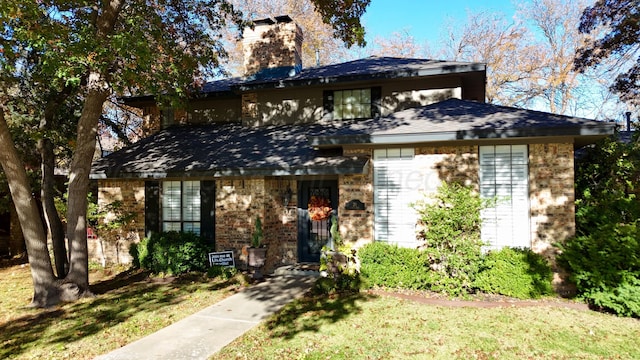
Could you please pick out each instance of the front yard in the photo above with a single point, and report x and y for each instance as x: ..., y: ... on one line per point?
x: 127, y: 306
x: 130, y: 305
x: 384, y: 327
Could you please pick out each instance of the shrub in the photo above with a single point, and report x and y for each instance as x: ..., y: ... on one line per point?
x: 515, y: 272
x: 605, y: 266
x: 172, y: 253
x: 623, y: 300
x: 341, y: 268
x: 344, y: 283
x: 451, y: 234
x: 221, y: 272
x: 391, y: 266
x: 604, y: 257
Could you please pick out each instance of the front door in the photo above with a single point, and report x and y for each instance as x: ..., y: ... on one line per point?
x: 317, y: 200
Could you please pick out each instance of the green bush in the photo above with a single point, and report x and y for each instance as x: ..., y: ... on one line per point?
x: 451, y: 234
x: 172, y: 253
x: 604, y: 257
x: 605, y: 266
x: 515, y: 272
x: 623, y: 300
x: 343, y: 283
x: 221, y: 272
x: 391, y: 266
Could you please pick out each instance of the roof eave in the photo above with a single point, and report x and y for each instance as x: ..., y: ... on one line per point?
x: 293, y: 82
x: 359, y: 168
x: 595, y: 132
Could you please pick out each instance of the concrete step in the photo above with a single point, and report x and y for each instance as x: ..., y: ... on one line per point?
x: 311, y: 270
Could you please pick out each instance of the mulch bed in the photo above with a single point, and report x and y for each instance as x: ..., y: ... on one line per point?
x: 477, y: 300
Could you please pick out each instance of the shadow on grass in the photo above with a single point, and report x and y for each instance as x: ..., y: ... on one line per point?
x: 116, y: 301
x: 312, y: 311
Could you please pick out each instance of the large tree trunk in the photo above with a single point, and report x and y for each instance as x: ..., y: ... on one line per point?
x: 97, y: 91
x: 45, y: 289
x: 48, y: 206
x: 55, y: 101
x: 79, y: 182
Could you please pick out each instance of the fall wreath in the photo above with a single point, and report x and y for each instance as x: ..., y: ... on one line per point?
x: 319, y: 208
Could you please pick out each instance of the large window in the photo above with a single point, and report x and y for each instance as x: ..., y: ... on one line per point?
x: 352, y: 103
x: 181, y: 206
x: 395, y: 183
x: 504, y: 177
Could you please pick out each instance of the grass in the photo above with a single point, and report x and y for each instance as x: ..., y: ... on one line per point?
x: 128, y: 305
x: 381, y: 327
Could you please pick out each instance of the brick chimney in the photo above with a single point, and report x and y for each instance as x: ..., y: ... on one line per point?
x: 273, y: 48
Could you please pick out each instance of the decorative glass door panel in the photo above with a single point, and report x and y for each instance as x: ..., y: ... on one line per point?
x: 317, y: 202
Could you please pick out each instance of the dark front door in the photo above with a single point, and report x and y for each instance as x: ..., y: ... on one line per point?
x: 317, y: 200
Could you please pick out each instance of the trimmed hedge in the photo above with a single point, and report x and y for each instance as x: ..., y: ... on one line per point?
x: 515, y: 272
x: 171, y: 253
x: 391, y: 266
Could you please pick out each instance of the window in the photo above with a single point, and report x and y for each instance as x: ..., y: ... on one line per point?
x: 352, y: 104
x: 181, y: 206
x: 395, y: 187
x: 504, y: 177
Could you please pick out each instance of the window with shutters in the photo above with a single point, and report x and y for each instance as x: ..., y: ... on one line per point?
x: 504, y: 176
x: 394, y: 189
x: 180, y: 206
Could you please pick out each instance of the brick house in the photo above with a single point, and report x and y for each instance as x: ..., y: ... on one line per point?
x: 365, y: 138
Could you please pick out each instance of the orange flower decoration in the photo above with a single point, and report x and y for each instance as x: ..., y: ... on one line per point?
x: 319, y: 208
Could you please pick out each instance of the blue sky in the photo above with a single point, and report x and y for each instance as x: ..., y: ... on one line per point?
x: 423, y: 19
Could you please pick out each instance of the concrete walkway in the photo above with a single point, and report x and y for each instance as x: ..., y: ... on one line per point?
x: 204, y: 333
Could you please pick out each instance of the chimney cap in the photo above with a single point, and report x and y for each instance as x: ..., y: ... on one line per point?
x: 265, y: 21
x: 283, y: 19
x: 276, y: 19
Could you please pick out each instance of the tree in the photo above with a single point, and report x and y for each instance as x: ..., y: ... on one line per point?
x: 503, y: 45
x: 398, y: 44
x: 163, y: 47
x: 621, y: 44
x: 530, y: 58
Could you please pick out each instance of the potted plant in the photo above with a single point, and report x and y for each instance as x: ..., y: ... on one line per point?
x: 336, y: 258
x: 257, y: 252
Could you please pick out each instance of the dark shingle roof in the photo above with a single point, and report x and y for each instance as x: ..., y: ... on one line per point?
x: 226, y: 150
x: 456, y: 119
x: 373, y: 67
x: 234, y: 150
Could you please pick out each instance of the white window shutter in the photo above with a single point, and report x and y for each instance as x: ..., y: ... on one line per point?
x: 395, y: 220
x: 504, y: 177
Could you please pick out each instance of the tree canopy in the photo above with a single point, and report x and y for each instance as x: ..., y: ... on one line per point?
x: 84, y: 50
x: 622, y: 43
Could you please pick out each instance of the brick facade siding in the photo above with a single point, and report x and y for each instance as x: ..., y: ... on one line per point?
x: 238, y: 202
x: 551, y: 195
x: 112, y: 246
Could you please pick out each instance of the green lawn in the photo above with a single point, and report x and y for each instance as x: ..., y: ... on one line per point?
x: 131, y: 305
x: 382, y: 327
x: 127, y: 306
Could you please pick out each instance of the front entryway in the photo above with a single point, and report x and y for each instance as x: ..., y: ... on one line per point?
x: 316, y: 201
